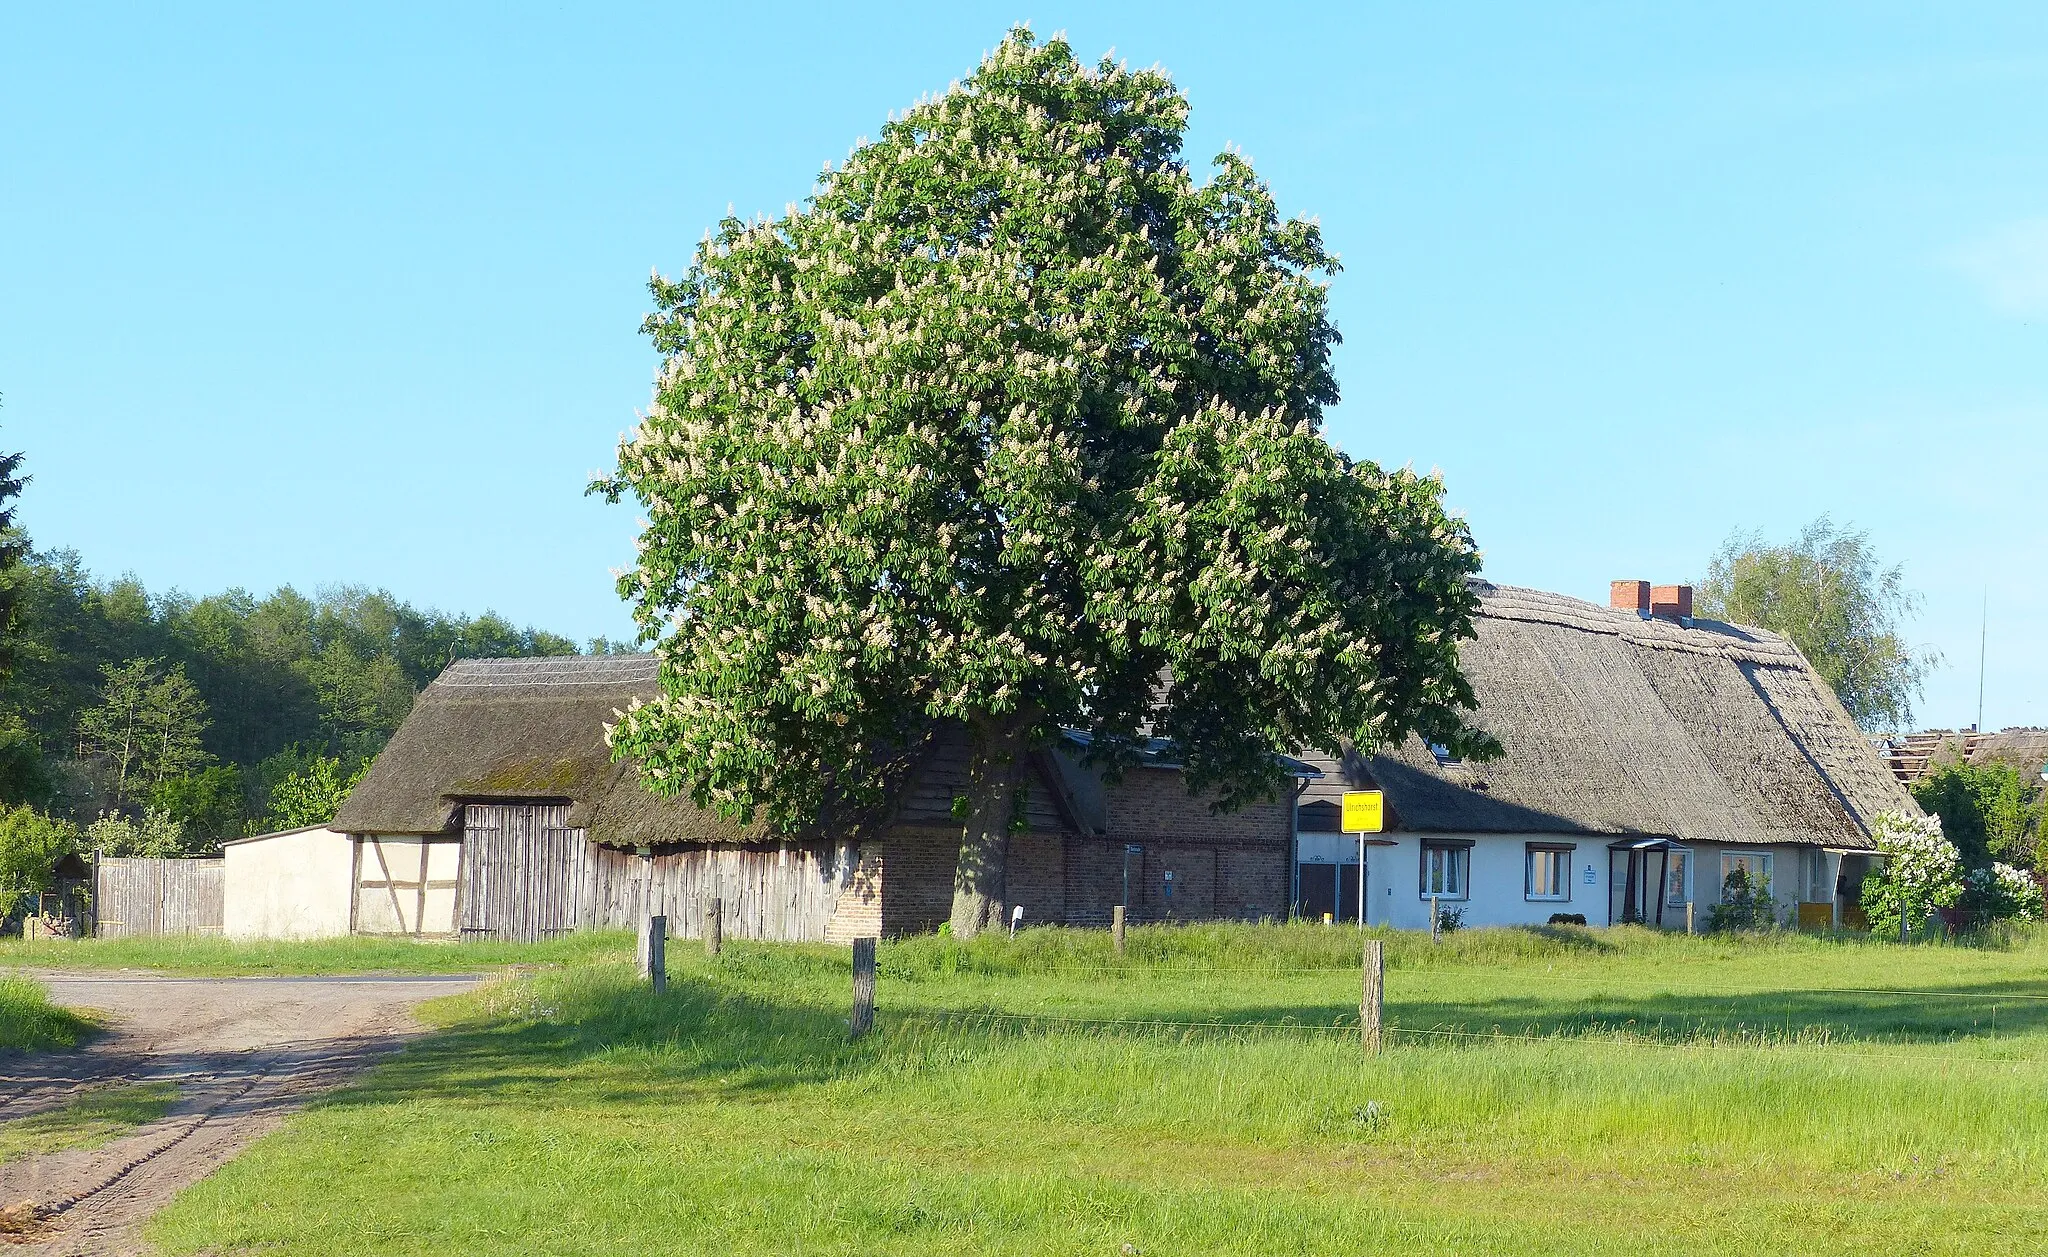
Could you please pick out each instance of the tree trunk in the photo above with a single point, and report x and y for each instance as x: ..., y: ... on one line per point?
x: 995, y: 778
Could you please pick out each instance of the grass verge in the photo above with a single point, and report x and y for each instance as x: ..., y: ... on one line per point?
x: 90, y: 1118
x: 201, y: 955
x: 1652, y: 1095
x: 29, y: 1022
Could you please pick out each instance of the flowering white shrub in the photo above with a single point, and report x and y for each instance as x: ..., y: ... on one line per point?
x: 2002, y: 893
x: 1921, y: 872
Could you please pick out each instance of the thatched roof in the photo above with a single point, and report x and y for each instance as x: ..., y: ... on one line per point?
x: 506, y: 730
x: 1614, y: 724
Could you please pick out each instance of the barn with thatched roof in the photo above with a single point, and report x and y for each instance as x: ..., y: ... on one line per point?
x: 497, y: 811
x: 1648, y: 756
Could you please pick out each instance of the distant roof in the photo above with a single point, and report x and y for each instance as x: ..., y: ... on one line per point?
x: 1912, y: 755
x: 1614, y: 724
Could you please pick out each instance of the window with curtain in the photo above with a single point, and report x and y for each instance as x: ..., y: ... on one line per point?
x: 1547, y: 874
x: 1444, y: 871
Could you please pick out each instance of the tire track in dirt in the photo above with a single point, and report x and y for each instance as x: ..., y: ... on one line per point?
x: 243, y: 1053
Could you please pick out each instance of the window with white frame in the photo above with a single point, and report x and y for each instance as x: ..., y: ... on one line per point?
x: 1445, y: 870
x: 1754, y: 865
x: 1547, y: 873
x: 1678, y: 880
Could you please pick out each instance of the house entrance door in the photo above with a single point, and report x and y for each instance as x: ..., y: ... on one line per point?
x: 1329, y: 890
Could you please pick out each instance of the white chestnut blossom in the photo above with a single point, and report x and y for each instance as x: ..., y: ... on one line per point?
x: 1014, y: 424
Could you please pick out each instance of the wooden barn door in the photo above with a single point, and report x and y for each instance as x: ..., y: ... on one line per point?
x: 524, y: 871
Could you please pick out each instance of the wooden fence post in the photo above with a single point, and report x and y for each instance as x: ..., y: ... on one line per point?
x: 863, y: 987
x: 654, y: 952
x: 1436, y: 921
x: 714, y: 925
x: 1116, y: 928
x: 1372, y: 1001
x: 1688, y: 917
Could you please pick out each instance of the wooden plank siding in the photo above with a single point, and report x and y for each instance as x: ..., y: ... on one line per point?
x: 137, y: 897
x: 527, y: 874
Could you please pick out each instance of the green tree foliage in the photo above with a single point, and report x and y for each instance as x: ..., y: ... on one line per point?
x: 1828, y: 591
x: 1014, y: 425
x: 211, y: 803
x: 30, y: 843
x: 146, y: 727
x: 1746, y: 904
x: 1991, y: 811
x: 14, y: 547
x: 282, y: 677
x: 155, y: 833
x: 312, y: 795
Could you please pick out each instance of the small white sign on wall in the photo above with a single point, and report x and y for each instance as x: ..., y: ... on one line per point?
x: 1591, y: 878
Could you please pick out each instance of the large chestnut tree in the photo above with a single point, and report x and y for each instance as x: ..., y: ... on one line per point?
x: 1015, y: 424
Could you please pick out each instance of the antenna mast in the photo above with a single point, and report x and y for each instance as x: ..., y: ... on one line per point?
x: 1983, y: 634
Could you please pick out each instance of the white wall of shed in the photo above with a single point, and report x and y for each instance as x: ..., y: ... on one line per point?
x: 288, y: 886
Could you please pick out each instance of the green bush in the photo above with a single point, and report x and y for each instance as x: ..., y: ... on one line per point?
x: 30, y: 843
x: 1745, y: 904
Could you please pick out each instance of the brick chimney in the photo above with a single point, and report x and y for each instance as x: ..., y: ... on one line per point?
x: 1629, y: 595
x: 1671, y: 602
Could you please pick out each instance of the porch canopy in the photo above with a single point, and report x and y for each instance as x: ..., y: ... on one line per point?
x: 1637, y: 891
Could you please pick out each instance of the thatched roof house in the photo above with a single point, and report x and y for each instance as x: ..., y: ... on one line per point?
x: 506, y: 760
x: 1665, y: 737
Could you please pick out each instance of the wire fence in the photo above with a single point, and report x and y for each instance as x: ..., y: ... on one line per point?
x: 1612, y: 1038
x: 1350, y: 973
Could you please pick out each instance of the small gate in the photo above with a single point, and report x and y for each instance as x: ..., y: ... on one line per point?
x: 136, y: 896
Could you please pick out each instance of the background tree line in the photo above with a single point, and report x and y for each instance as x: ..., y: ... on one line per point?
x: 168, y: 723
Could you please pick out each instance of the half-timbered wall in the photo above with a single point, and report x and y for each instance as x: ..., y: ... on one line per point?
x: 405, y: 884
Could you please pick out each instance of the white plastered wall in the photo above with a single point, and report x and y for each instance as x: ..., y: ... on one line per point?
x: 288, y: 885
x: 1495, y: 881
x: 406, y: 885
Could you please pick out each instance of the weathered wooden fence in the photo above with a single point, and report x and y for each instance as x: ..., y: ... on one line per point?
x: 134, y: 896
x: 526, y: 874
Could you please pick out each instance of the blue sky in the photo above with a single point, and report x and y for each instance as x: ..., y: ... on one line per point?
x: 315, y: 296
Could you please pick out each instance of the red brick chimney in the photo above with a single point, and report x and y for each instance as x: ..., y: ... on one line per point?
x: 1629, y: 595
x: 1672, y: 602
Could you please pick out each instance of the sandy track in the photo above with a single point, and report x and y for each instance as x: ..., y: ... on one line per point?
x: 243, y: 1053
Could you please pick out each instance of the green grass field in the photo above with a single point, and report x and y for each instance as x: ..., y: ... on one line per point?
x: 30, y: 1023
x: 212, y: 956
x: 1647, y: 1094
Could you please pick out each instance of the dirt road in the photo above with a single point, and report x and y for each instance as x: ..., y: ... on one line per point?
x: 243, y: 1053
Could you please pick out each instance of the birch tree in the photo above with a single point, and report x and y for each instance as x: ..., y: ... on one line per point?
x: 1015, y: 425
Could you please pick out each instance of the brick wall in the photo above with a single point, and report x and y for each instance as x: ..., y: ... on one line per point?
x: 917, y: 886
x: 1230, y: 865
x: 1153, y: 805
x: 917, y: 878
x: 858, y: 913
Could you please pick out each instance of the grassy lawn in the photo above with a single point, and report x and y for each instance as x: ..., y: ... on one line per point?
x: 29, y: 1022
x: 1648, y: 1094
x: 201, y: 955
x: 89, y: 1118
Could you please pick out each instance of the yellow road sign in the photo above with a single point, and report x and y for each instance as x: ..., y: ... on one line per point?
x: 1365, y: 811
